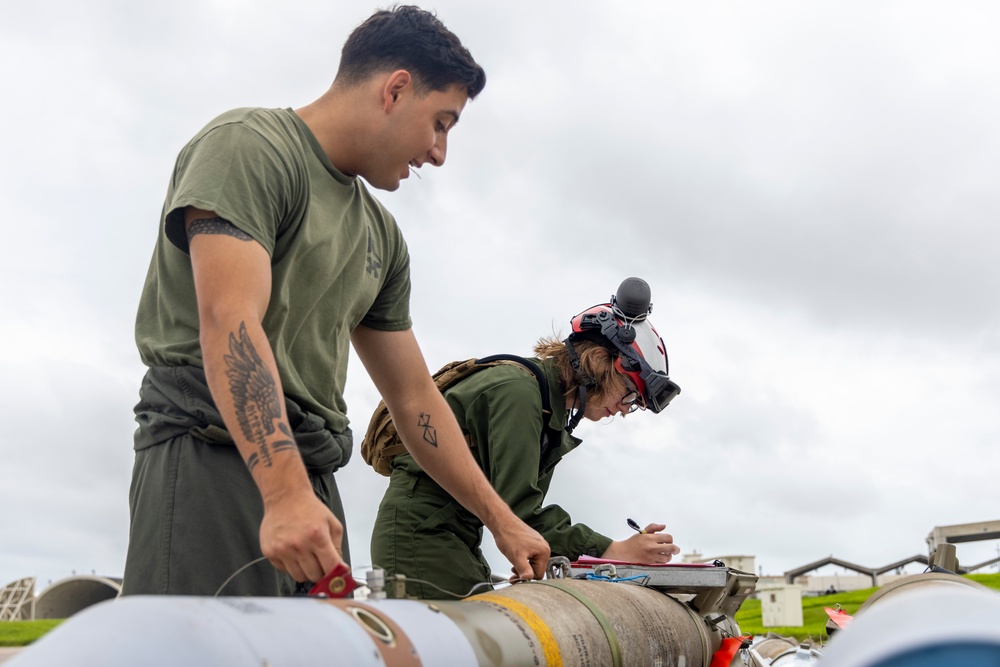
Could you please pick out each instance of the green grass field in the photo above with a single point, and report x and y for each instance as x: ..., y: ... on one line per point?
x: 22, y: 633
x: 814, y: 617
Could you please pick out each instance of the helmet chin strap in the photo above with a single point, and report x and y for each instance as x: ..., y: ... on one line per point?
x: 576, y: 414
x: 585, y: 381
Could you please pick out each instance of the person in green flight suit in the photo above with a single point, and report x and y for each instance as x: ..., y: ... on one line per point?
x: 612, y: 363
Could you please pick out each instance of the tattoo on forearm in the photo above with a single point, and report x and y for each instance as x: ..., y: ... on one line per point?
x: 255, y: 399
x: 430, y: 433
x: 216, y: 226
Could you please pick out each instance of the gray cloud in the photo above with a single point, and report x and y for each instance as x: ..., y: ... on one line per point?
x: 807, y: 188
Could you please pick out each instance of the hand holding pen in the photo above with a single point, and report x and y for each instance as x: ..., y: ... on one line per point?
x: 648, y: 546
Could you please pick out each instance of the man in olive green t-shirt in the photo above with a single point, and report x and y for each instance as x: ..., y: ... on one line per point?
x: 272, y: 256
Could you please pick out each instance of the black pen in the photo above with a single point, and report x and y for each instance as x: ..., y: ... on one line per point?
x: 634, y: 526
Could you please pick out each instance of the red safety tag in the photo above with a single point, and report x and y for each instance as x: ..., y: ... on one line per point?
x: 337, y: 584
x: 840, y: 619
x: 727, y: 650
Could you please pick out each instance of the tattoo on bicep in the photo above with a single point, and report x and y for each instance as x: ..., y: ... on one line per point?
x: 216, y: 226
x: 430, y: 433
x: 255, y: 399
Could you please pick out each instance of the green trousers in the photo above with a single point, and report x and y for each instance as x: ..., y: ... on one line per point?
x: 195, y: 522
x: 423, y: 533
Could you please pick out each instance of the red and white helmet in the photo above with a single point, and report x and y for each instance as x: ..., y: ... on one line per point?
x: 622, y: 327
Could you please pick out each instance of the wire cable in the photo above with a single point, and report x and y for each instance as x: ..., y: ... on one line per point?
x: 472, y: 590
x: 234, y: 574
x: 615, y: 580
x: 446, y: 592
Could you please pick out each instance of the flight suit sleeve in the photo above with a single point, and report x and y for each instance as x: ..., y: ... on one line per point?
x: 505, y: 421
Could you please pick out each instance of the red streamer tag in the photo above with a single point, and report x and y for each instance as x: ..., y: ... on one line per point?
x: 337, y: 584
x: 841, y: 619
x: 727, y: 650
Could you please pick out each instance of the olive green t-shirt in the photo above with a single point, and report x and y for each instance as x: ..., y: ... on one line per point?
x: 338, y: 258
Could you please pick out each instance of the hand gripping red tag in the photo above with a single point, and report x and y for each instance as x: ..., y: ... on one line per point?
x: 337, y: 584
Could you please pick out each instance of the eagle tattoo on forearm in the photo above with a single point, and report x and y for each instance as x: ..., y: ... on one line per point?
x: 255, y: 399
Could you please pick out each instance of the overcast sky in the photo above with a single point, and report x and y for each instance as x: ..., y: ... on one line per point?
x: 810, y: 189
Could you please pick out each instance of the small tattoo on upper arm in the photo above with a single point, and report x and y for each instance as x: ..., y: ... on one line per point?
x: 430, y: 433
x: 216, y: 226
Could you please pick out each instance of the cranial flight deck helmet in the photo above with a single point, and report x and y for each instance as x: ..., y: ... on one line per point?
x: 622, y: 328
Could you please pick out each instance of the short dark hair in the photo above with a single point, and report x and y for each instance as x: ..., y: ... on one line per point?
x: 410, y: 38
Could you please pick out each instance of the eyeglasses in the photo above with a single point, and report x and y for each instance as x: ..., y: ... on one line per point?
x: 632, y: 399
